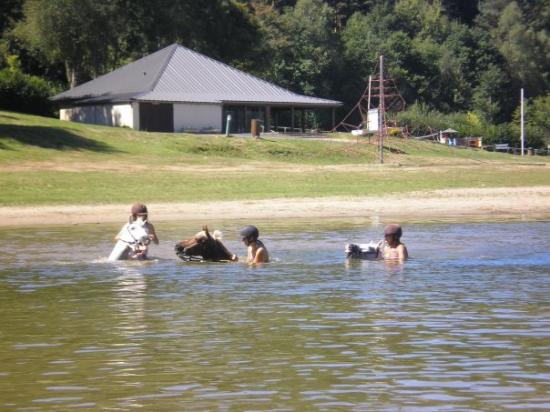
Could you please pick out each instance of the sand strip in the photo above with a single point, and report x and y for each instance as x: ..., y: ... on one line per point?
x: 526, y: 202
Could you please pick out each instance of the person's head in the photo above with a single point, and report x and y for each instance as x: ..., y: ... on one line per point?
x: 249, y: 234
x: 392, y: 234
x: 139, y: 210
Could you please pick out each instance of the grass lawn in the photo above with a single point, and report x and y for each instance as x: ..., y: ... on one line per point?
x: 47, y: 161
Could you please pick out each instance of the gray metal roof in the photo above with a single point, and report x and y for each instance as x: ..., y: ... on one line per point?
x: 178, y: 74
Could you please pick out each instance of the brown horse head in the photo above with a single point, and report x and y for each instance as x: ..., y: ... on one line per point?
x: 203, y: 246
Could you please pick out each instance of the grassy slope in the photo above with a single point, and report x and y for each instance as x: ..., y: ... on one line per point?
x: 62, y: 163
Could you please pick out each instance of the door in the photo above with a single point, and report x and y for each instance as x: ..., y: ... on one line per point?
x: 156, y: 117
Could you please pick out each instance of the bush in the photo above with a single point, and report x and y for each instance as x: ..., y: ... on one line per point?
x: 499, y: 133
x: 21, y: 92
x: 421, y: 121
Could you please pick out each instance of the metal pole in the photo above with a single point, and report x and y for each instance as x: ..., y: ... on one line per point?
x: 522, y: 137
x: 381, y: 110
x: 227, y: 125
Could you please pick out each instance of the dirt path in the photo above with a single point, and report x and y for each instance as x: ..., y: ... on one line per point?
x: 129, y: 166
x: 530, y: 203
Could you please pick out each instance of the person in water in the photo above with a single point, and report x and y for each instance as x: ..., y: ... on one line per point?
x: 393, y: 248
x: 139, y: 210
x: 256, y: 252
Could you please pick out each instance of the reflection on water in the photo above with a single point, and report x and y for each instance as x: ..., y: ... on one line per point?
x: 463, y: 325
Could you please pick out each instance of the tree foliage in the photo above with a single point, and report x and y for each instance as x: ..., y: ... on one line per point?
x: 445, y: 55
x: 23, y: 92
x: 76, y: 32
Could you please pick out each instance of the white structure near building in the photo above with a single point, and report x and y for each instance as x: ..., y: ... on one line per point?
x: 177, y: 89
x: 121, y: 115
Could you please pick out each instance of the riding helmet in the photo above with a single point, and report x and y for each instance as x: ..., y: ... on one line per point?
x: 139, y: 209
x: 393, y: 229
x: 250, y: 231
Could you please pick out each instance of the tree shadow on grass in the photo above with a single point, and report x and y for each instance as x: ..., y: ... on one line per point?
x: 394, y: 150
x: 5, y: 116
x: 50, y: 138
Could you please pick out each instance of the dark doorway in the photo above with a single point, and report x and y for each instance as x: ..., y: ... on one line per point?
x: 156, y: 117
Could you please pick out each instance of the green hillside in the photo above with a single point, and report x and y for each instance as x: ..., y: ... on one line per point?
x: 47, y: 161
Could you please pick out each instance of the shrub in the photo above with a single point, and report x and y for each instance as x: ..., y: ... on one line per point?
x: 421, y: 121
x: 21, y: 92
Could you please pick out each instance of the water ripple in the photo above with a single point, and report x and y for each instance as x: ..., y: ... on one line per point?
x: 464, y: 325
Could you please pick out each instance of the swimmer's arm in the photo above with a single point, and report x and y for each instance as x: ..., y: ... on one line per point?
x: 261, y: 256
x: 153, y: 235
x: 402, y: 251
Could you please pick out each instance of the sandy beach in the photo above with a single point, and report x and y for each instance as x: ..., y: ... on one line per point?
x: 463, y: 204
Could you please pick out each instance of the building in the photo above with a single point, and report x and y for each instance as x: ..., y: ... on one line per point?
x: 177, y: 89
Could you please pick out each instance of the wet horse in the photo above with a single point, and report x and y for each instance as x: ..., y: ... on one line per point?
x: 204, y: 246
x: 132, y: 241
x: 365, y: 251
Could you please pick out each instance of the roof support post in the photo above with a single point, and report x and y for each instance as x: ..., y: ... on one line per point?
x: 267, y: 118
x: 292, y: 118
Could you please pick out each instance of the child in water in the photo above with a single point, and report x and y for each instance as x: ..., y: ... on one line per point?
x: 139, y: 210
x: 393, y: 248
x: 256, y: 250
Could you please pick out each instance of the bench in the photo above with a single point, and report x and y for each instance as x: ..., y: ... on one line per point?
x: 505, y: 147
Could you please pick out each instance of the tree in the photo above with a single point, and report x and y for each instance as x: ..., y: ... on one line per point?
x: 520, y: 32
x: 92, y: 37
x: 490, y: 98
x: 422, y: 53
x: 10, y: 12
x: 464, y: 11
x: 421, y: 19
x: 303, y: 47
x: 538, y: 114
x: 22, y: 92
x: 344, y: 9
x: 526, y: 51
x: 75, y: 32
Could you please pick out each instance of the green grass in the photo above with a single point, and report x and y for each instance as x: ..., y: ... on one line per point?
x: 25, y: 137
x: 34, y: 188
x: 34, y: 138
x: 57, y: 162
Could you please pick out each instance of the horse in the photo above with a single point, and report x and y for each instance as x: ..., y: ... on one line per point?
x: 204, y: 247
x: 132, y: 241
x: 365, y: 251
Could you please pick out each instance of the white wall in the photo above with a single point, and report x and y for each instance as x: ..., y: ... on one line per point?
x: 108, y: 114
x: 197, y: 117
x: 135, y: 110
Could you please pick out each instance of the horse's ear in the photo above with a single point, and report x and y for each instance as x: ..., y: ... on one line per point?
x: 205, y: 228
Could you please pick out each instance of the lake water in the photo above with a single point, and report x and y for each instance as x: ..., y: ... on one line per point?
x: 463, y: 325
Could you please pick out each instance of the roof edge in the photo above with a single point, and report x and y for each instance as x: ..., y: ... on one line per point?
x: 174, y: 47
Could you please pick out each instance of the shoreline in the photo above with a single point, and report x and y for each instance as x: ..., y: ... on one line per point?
x: 529, y: 203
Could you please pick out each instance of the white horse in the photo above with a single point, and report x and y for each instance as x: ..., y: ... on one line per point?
x: 366, y: 251
x: 132, y: 241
